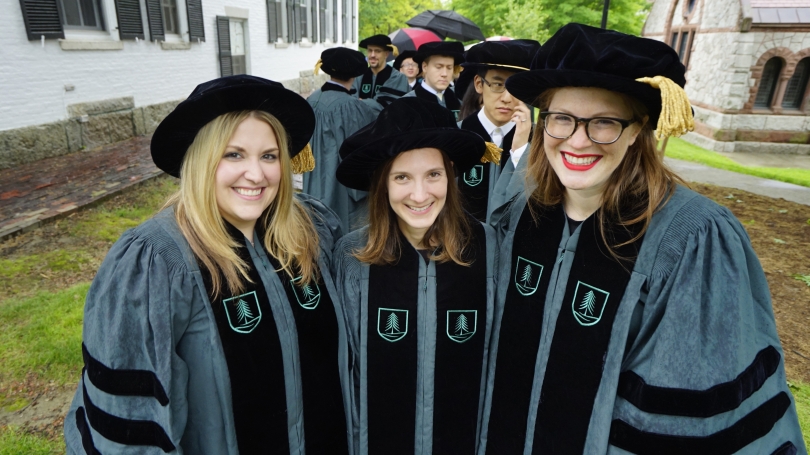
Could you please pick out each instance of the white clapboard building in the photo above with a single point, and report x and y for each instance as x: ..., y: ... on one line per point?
x: 78, y: 74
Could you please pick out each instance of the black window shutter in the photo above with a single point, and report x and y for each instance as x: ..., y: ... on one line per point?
x: 303, y: 18
x: 155, y: 18
x: 314, y: 12
x: 291, y: 23
x: 196, y: 24
x: 322, y: 19
x: 130, y: 23
x: 334, y: 21
x: 41, y: 18
x: 345, y: 21
x: 272, y: 21
x: 353, y: 16
x: 224, y: 40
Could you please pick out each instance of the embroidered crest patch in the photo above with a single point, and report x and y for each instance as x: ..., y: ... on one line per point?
x: 365, y: 88
x: 392, y: 324
x: 589, y: 303
x: 461, y: 324
x: 527, y: 276
x: 308, y: 295
x: 455, y: 114
x: 243, y: 311
x: 474, y: 176
x: 377, y: 89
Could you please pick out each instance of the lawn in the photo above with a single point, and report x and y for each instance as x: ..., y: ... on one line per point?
x: 682, y: 150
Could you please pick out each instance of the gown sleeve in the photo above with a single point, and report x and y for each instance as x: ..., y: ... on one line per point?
x: 347, y: 272
x: 132, y: 396
x: 704, y: 369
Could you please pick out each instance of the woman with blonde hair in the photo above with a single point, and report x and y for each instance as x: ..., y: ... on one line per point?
x: 211, y: 328
x: 416, y: 284
x: 632, y: 314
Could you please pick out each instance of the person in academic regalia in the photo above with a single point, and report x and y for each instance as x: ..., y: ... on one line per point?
x: 404, y: 64
x: 214, y: 327
x: 416, y: 284
x: 338, y: 114
x: 503, y: 121
x: 439, y: 62
x: 632, y: 314
x: 380, y: 79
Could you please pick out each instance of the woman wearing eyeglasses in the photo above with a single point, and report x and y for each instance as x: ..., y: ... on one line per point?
x: 404, y: 64
x: 632, y: 314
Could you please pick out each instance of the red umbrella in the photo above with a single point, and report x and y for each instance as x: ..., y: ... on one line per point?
x: 409, y: 39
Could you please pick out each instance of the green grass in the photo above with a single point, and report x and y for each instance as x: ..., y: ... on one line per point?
x: 14, y: 442
x: 682, y: 150
x: 43, y: 335
x: 801, y: 392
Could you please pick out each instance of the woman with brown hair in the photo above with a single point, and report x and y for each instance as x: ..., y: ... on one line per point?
x: 212, y: 328
x: 632, y: 314
x: 416, y: 284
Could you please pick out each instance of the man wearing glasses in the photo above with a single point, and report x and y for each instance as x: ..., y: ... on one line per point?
x: 405, y: 64
x: 379, y: 76
x: 502, y: 120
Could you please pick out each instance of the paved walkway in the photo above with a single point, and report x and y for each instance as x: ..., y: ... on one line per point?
x: 42, y: 191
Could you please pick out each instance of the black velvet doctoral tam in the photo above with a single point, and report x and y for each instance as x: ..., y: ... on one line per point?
x: 343, y: 63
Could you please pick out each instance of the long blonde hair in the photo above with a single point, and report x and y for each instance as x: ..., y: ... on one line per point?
x: 290, y: 234
x: 636, y: 189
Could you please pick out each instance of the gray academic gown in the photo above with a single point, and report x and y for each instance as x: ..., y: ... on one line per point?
x: 395, y: 83
x: 155, y: 368
x: 693, y: 363
x: 439, y: 365
x: 338, y: 115
x: 509, y: 182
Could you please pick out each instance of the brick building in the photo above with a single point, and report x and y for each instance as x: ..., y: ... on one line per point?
x: 77, y: 74
x: 748, y: 65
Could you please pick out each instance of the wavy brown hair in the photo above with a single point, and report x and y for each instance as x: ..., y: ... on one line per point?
x: 450, y: 234
x: 636, y: 189
x: 290, y: 234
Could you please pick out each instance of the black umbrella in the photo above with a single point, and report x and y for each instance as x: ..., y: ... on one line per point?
x: 447, y: 24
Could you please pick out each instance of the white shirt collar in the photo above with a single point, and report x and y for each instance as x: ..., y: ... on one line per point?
x: 431, y: 89
x: 489, y: 127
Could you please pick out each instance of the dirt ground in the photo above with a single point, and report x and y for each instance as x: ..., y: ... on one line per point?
x: 779, y: 231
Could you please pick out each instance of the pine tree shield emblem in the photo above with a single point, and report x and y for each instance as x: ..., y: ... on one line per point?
x: 243, y: 311
x: 392, y: 324
x: 588, y: 304
x: 461, y: 324
x: 527, y: 276
x: 475, y: 175
x: 308, y: 295
x: 366, y: 88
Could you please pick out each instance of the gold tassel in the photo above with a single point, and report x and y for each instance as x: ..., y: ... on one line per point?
x: 493, y: 154
x: 394, y: 48
x: 318, y: 66
x: 304, y: 161
x: 676, y: 112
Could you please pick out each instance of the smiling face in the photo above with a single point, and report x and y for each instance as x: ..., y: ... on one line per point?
x: 583, y: 166
x: 417, y: 191
x: 438, y: 71
x: 248, y: 175
x: 498, y: 107
x: 409, y: 69
x: 376, y: 56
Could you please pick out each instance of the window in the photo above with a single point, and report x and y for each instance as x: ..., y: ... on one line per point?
x: 232, y: 48
x: 82, y: 14
x: 682, y: 43
x: 169, y: 10
x: 690, y: 6
x: 274, y: 21
x: 797, y: 86
x: 767, y: 84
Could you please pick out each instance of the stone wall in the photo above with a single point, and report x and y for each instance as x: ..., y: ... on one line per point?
x: 719, y: 69
x: 98, y: 123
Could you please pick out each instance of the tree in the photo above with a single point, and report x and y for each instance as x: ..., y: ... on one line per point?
x: 461, y: 325
x: 527, y: 275
x: 392, y: 325
x: 308, y: 292
x: 587, y: 303
x: 385, y: 16
x: 473, y: 173
x: 243, y: 312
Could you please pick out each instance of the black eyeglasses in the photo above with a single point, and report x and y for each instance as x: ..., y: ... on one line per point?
x: 496, y: 87
x: 601, y: 130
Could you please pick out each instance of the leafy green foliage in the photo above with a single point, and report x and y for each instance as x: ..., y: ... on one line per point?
x: 801, y: 392
x: 803, y: 278
x: 385, y: 16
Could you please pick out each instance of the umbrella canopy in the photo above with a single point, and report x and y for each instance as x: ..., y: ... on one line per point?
x: 447, y: 24
x: 409, y: 39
